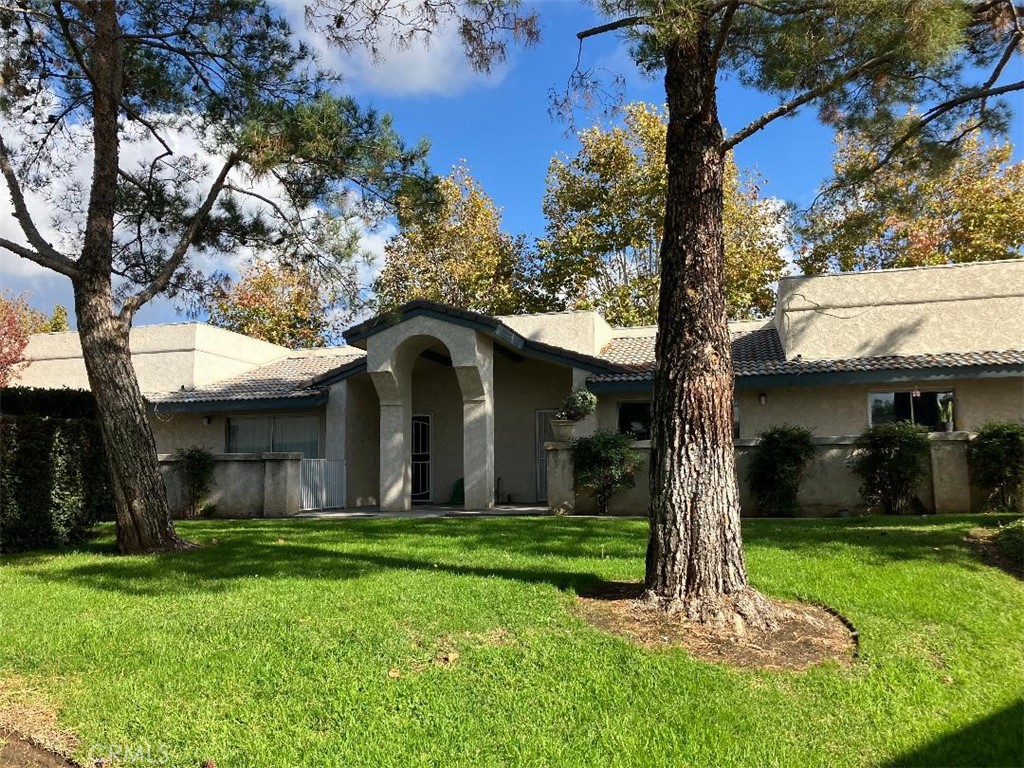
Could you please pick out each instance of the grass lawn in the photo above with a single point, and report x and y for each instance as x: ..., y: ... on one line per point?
x: 273, y: 647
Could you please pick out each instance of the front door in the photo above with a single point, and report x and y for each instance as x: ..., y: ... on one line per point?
x: 421, y: 429
x: 543, y: 435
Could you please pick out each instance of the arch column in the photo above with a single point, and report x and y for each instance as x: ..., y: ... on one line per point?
x: 477, y: 385
x: 395, y: 455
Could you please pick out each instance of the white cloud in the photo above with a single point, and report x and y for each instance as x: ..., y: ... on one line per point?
x: 437, y: 67
x: 46, y: 288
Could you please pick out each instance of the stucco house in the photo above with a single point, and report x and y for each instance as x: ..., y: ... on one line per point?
x: 431, y: 403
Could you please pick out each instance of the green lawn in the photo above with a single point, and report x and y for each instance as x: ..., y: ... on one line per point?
x: 273, y: 648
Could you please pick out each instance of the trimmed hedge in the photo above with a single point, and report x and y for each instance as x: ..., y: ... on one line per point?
x: 891, y: 462
x: 56, y: 403
x: 996, y: 458
x: 55, y: 482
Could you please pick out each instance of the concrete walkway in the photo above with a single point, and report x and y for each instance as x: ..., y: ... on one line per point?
x: 429, y: 510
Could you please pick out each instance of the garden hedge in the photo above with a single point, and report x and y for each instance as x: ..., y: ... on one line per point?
x: 54, y: 481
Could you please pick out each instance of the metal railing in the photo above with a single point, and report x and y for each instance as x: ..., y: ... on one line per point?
x: 323, y: 484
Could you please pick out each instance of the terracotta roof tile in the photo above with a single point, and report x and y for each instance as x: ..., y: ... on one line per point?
x: 288, y: 377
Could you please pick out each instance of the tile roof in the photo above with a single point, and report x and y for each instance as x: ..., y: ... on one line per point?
x: 760, y: 353
x: 289, y: 377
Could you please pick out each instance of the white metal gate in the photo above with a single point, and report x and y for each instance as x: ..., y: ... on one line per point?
x: 323, y: 484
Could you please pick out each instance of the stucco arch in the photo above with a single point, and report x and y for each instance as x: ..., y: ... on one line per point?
x: 391, y: 356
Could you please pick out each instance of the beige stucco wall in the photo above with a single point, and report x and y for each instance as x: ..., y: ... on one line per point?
x: 954, y: 308
x: 166, y: 357
x: 843, y: 409
x: 581, y: 331
x: 245, y: 485
x: 362, y: 443
x: 520, y: 390
x: 828, y: 488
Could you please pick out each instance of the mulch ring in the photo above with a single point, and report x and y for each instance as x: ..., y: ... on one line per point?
x: 982, y: 540
x: 807, y: 635
x: 18, y: 752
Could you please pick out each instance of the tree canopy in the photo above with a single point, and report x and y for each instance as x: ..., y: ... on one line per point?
x: 605, y: 210
x: 282, y: 304
x: 968, y: 208
x: 455, y: 252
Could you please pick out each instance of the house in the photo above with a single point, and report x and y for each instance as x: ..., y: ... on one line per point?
x: 430, y: 404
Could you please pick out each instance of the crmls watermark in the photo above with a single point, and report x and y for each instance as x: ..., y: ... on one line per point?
x: 142, y: 753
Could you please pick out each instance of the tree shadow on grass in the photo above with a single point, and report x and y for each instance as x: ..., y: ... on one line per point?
x: 336, y: 550
x: 216, y: 568
x: 996, y: 740
x: 880, y: 540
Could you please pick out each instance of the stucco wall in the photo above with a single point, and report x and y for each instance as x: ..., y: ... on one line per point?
x: 828, y: 488
x: 843, y: 409
x: 954, y: 308
x: 245, y: 485
x: 166, y: 357
x: 435, y: 390
x: 580, y: 331
x: 362, y: 443
x: 520, y: 390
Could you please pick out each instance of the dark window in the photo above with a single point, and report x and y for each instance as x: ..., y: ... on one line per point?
x: 635, y: 420
x: 917, y: 406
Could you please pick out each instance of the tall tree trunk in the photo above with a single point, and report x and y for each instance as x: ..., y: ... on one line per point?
x: 140, y: 500
x: 695, y: 559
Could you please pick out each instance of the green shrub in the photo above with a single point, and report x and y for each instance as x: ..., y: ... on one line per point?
x: 777, y: 466
x: 195, y: 465
x: 891, y: 463
x: 996, y: 459
x: 604, y: 464
x: 577, y: 405
x: 55, y: 482
x: 1010, y: 541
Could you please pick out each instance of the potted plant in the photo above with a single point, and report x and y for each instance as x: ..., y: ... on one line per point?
x: 946, y: 414
x: 577, y: 405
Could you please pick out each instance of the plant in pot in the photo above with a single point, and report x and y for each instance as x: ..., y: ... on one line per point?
x: 946, y: 414
x: 577, y: 405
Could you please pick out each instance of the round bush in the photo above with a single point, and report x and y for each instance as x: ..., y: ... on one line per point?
x: 777, y: 467
x: 604, y: 464
x: 996, y: 459
x: 891, y: 463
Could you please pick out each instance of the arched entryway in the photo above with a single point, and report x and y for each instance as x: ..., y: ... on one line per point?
x: 441, y: 374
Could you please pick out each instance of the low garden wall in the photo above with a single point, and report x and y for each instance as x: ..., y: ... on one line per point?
x: 829, y: 488
x: 245, y: 485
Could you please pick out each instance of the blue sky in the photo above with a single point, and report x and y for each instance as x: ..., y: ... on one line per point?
x: 501, y: 126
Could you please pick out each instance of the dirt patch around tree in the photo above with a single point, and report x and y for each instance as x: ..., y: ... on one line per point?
x: 29, y: 734
x: 807, y: 635
x: 17, y: 752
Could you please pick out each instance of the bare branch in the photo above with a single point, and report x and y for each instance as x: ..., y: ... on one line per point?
x: 163, y: 278
x: 630, y: 21
x: 794, y: 104
x: 43, y: 253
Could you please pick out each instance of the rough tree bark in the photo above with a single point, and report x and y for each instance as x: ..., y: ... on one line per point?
x: 140, y: 501
x: 695, y: 559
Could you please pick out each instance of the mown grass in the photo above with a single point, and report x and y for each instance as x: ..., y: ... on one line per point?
x: 272, y: 647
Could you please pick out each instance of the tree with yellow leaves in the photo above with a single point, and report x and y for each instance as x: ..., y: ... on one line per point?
x: 453, y: 251
x: 606, y: 209
x: 962, y: 208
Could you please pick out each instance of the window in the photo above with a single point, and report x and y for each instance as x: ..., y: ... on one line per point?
x: 287, y: 434
x: 635, y: 420
x: 916, y: 406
